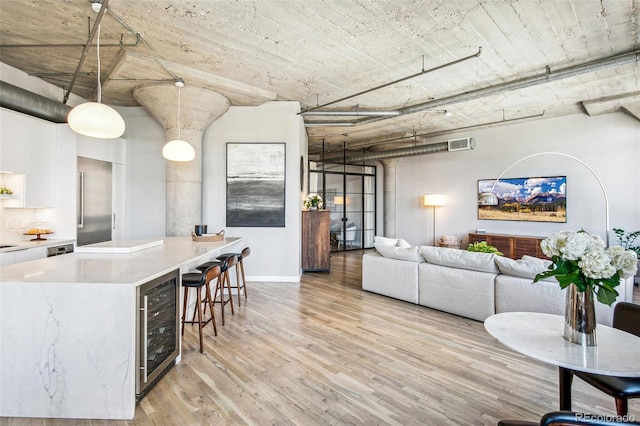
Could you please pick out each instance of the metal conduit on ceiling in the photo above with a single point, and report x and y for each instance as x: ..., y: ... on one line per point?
x: 547, y: 77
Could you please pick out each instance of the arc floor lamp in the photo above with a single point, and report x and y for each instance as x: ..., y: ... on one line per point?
x: 490, y: 199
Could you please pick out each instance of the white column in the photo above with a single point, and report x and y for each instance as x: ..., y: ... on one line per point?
x: 389, y: 183
x: 199, y: 108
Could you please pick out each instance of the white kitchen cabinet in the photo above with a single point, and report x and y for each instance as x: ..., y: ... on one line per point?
x: 7, y: 258
x: 28, y: 148
x: 11, y: 148
x: 23, y: 255
x: 30, y: 254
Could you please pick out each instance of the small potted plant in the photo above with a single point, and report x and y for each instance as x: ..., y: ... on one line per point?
x: 483, y: 247
x: 313, y: 202
x: 5, y: 192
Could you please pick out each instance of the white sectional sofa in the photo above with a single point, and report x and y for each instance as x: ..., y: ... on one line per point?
x: 472, y: 285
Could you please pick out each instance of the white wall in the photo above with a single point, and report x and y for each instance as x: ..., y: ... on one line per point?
x: 609, y: 144
x: 275, y: 252
x: 145, y: 175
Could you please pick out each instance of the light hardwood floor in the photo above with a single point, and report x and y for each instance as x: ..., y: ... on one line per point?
x: 326, y: 352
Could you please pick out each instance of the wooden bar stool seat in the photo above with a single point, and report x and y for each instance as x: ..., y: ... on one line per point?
x: 223, y: 280
x: 197, y: 281
x: 239, y: 265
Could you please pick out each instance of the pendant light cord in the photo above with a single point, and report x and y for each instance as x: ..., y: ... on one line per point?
x: 98, y: 53
x: 179, y: 113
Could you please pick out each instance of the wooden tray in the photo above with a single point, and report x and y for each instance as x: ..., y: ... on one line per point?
x: 207, y: 238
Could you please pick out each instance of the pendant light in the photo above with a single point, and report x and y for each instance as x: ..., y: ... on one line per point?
x: 95, y: 119
x: 177, y: 149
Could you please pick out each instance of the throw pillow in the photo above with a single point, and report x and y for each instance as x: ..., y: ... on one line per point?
x: 385, y: 240
x: 403, y: 243
x: 400, y: 253
x: 462, y: 259
x: 527, y: 267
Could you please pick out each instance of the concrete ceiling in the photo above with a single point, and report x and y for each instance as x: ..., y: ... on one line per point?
x: 539, y: 58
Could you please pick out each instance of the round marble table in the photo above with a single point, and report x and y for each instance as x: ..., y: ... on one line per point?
x: 539, y: 336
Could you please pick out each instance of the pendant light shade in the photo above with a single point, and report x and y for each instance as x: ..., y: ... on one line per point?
x: 177, y: 149
x: 95, y: 119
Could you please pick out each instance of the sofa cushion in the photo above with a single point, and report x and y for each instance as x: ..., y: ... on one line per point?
x: 385, y: 240
x: 390, y: 277
x: 462, y: 259
x: 400, y: 253
x: 458, y: 291
x: 527, y: 267
x: 403, y: 243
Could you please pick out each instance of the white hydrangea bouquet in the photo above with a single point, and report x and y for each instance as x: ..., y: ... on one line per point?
x: 313, y: 201
x: 582, y: 259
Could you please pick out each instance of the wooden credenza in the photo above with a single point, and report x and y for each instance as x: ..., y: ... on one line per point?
x: 316, y: 244
x: 512, y: 246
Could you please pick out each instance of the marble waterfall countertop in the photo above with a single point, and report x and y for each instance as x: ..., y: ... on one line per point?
x: 133, y: 268
x: 69, y: 328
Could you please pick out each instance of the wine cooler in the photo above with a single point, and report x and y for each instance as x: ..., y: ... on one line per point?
x: 158, y: 324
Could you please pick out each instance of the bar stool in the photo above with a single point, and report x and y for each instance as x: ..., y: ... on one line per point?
x: 197, y: 281
x: 241, y: 256
x: 223, y: 279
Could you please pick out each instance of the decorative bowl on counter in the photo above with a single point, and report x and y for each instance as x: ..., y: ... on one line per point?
x: 37, y: 232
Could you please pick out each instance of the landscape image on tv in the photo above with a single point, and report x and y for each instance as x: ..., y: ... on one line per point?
x: 531, y: 199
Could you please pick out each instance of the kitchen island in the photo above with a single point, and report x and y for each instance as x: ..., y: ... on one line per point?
x: 68, y: 328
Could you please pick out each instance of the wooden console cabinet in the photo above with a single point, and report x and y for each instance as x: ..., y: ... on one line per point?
x: 512, y: 246
x: 316, y: 244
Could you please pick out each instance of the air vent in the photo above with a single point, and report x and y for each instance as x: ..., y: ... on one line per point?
x: 461, y: 144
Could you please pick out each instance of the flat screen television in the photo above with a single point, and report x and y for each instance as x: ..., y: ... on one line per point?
x: 529, y: 199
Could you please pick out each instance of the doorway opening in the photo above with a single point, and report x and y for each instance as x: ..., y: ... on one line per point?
x: 349, y: 193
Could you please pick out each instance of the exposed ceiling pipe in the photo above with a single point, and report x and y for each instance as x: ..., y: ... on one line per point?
x: 443, y: 132
x: 94, y: 30
x: 547, y: 77
x: 330, y: 124
x: 354, y: 113
x: 18, y: 99
x: 393, y: 153
x: 45, y: 45
x: 448, y: 64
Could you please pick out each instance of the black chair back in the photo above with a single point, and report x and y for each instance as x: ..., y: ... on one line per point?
x: 626, y: 317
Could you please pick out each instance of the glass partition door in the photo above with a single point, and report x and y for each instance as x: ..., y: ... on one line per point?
x: 349, y: 193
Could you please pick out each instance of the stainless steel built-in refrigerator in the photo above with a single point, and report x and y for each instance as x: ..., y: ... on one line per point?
x: 94, y: 209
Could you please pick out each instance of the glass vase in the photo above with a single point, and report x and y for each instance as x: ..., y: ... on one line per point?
x: 580, y: 317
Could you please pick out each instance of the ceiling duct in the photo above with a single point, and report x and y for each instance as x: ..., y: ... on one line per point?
x: 452, y: 145
x: 21, y: 100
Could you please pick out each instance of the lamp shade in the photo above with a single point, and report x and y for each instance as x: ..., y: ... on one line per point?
x: 433, y: 200
x: 338, y: 199
x: 178, y: 150
x: 96, y: 120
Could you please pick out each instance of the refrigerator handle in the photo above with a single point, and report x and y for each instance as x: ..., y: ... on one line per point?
x: 80, y: 199
x: 114, y: 221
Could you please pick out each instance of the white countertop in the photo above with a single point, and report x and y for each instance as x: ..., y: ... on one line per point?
x: 26, y: 244
x: 104, y: 268
x: 539, y: 336
x: 118, y: 246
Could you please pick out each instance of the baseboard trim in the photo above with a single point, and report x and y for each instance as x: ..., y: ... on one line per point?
x: 274, y: 279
